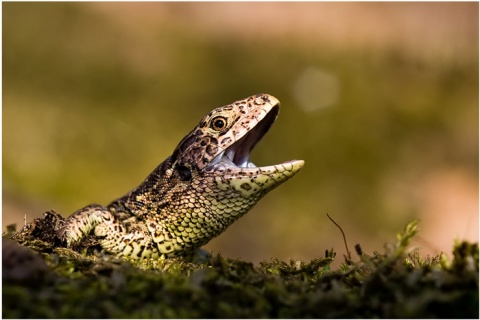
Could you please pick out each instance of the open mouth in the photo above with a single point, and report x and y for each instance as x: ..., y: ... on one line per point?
x: 238, y: 154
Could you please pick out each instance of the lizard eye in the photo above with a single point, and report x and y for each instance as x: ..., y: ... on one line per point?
x: 184, y: 173
x: 218, y: 123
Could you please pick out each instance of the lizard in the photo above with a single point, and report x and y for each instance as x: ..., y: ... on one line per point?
x: 195, y: 194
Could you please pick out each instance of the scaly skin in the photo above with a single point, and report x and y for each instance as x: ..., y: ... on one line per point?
x: 195, y: 194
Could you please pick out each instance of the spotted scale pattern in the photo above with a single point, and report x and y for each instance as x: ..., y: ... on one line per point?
x: 195, y: 194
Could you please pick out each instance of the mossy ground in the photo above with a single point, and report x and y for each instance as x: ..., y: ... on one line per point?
x: 61, y: 283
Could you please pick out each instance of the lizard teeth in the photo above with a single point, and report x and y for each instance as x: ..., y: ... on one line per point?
x: 230, y: 154
x: 216, y: 160
x: 251, y: 165
x: 227, y: 157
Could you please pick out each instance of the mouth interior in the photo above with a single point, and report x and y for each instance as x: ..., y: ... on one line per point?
x: 238, y: 154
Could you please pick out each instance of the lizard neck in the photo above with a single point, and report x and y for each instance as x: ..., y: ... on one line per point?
x: 147, y: 196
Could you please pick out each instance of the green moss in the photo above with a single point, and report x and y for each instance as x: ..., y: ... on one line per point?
x: 394, y: 284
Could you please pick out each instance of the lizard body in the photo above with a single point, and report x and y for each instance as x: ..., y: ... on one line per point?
x: 195, y: 194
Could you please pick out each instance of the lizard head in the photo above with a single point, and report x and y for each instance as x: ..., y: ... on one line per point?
x: 223, y: 140
x: 209, y: 181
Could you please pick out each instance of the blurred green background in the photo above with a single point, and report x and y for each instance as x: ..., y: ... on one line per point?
x: 379, y: 99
